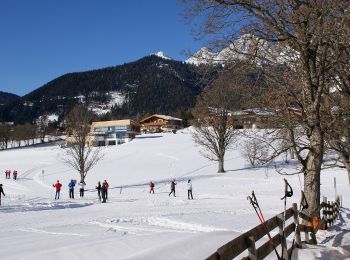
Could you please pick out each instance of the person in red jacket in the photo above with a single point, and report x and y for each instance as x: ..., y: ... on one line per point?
x: 8, y: 174
x: 105, y: 187
x: 58, y: 186
x: 151, y: 187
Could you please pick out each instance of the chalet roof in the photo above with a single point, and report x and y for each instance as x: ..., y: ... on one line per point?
x: 115, y: 123
x: 162, y: 117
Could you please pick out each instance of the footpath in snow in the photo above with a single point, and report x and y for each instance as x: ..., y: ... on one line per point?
x: 333, y: 243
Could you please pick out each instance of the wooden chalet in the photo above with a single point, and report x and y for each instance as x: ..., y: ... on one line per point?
x: 160, y: 123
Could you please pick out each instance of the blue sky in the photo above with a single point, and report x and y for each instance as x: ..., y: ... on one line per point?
x: 43, y: 39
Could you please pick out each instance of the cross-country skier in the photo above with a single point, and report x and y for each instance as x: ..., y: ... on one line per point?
x: 15, y: 175
x: 82, y: 188
x: 172, y: 188
x: 151, y: 187
x: 99, y: 189
x: 1, y: 192
x: 189, y: 189
x: 58, y: 186
x: 71, y: 186
x: 105, y: 186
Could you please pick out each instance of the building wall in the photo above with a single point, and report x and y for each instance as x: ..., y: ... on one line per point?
x: 113, y: 133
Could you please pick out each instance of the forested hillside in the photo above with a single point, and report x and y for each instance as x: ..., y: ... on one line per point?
x: 149, y: 85
x: 6, y: 98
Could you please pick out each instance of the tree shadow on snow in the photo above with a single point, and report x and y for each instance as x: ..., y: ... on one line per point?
x: 40, y: 206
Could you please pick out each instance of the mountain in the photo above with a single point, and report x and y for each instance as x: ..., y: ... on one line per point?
x: 237, y: 50
x: 6, y: 98
x: 153, y: 84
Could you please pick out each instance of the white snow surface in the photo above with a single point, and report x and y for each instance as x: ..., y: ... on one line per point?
x: 116, y: 98
x: 52, y: 118
x: 135, y: 224
x: 162, y: 55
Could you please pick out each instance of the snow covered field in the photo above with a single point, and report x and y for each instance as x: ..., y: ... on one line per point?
x: 135, y: 224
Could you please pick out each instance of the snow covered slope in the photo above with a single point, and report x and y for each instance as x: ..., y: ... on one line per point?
x: 135, y: 224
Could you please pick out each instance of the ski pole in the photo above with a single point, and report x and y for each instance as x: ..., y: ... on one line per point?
x: 255, y: 204
x: 288, y: 192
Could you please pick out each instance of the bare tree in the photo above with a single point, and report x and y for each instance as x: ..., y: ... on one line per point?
x: 338, y: 105
x: 43, y: 127
x: 80, y: 155
x: 338, y: 133
x: 214, y: 130
x: 5, y: 135
x: 305, y: 35
x: 254, y: 151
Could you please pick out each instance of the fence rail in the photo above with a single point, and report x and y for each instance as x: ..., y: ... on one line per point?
x: 323, y: 217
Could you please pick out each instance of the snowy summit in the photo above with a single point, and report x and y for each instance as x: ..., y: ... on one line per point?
x: 162, y: 55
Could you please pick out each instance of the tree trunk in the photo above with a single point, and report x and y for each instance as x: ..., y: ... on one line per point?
x: 346, y: 160
x: 82, y: 176
x: 312, y: 173
x: 221, y: 165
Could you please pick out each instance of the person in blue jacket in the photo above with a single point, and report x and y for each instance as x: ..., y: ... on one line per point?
x: 71, y: 186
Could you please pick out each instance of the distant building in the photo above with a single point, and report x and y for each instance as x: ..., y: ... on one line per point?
x: 161, y: 123
x: 253, y: 118
x: 114, y: 132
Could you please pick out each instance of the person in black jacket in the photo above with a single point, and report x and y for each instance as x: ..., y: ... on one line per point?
x: 172, y: 188
x: 1, y: 191
x: 99, y: 188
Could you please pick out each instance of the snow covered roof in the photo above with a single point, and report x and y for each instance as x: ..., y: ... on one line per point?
x: 163, y: 117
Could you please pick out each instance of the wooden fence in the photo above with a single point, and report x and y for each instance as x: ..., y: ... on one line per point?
x: 245, y: 246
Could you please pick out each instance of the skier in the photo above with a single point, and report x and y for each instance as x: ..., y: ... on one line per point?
x: 58, y: 186
x: 99, y: 188
x: 105, y: 186
x: 15, y: 175
x: 151, y: 187
x: 172, y: 188
x: 189, y: 189
x: 1, y: 191
x: 71, y: 186
x: 82, y: 186
x: 8, y: 173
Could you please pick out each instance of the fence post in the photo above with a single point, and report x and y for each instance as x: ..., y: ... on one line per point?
x: 329, y: 215
x: 296, y: 222
x: 338, y: 206
x: 306, y: 233
x: 341, y: 200
x: 251, y: 248
x: 283, y: 239
x: 324, y: 213
x: 333, y: 212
